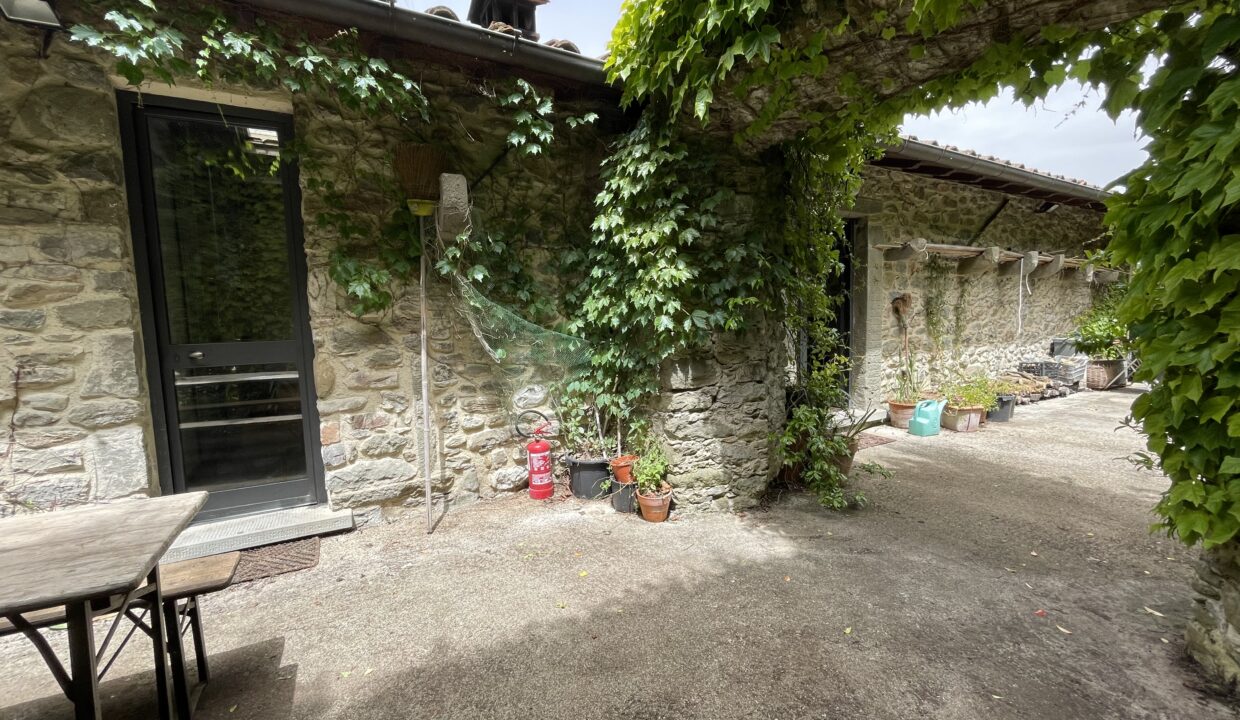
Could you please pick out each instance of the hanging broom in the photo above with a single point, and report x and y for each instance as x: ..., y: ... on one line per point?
x: 418, y: 167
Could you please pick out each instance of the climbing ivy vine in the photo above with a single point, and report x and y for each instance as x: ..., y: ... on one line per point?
x: 1178, y: 224
x: 376, y: 241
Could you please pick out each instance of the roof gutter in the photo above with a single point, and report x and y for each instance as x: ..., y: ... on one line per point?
x: 923, y: 152
x: 386, y: 19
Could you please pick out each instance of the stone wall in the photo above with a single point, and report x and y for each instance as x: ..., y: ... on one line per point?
x: 77, y: 408
x: 1213, y: 632
x: 75, y: 405
x: 718, y: 412
x: 367, y: 370
x: 73, y: 400
x: 981, y: 323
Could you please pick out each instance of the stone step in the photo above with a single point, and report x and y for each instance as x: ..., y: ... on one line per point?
x: 250, y: 531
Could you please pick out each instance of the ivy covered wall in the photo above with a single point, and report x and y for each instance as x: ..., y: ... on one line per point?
x: 367, y: 369
x: 719, y: 407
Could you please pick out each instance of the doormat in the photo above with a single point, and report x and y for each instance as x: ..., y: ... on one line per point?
x: 277, y: 559
x: 869, y: 440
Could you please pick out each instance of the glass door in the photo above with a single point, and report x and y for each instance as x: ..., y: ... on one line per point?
x: 227, y: 308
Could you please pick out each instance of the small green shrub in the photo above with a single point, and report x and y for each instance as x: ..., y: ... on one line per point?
x: 651, y: 468
x: 1099, y: 333
x: 972, y: 391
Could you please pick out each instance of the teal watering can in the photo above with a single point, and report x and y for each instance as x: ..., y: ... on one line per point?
x: 926, y: 417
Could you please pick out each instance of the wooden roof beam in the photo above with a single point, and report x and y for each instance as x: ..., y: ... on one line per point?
x: 912, y: 250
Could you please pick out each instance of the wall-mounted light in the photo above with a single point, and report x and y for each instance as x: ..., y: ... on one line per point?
x: 39, y: 13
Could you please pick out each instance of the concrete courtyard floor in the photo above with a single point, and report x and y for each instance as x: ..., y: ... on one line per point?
x: 923, y: 605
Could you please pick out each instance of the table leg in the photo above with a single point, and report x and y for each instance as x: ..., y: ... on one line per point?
x: 176, y: 653
x: 82, y: 665
x: 159, y: 639
x: 200, y: 643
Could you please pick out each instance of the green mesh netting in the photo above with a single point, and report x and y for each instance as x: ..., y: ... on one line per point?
x: 532, y: 359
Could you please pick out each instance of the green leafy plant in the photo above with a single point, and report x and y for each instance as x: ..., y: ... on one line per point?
x: 938, y: 273
x: 377, y: 242
x: 1099, y: 332
x: 910, y: 384
x: 972, y: 391
x: 579, y: 424
x: 876, y: 469
x: 146, y: 43
x: 1175, y: 225
x: 650, y: 470
x: 534, y: 116
x: 817, y: 433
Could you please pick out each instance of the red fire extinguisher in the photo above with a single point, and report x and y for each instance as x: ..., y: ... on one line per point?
x: 542, y: 485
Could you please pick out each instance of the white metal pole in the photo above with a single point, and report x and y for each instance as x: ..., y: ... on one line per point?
x: 426, y: 385
x: 1020, y: 299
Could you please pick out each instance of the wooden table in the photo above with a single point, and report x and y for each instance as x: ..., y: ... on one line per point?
x: 91, y: 560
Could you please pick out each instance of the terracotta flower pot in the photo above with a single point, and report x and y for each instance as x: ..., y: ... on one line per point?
x: 622, y: 468
x: 898, y: 413
x: 845, y: 462
x: 655, y: 506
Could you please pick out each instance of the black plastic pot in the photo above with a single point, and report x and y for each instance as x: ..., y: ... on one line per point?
x: 623, y: 497
x: 587, y: 476
x: 1003, y: 413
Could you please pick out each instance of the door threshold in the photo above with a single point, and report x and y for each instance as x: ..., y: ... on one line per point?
x: 251, y: 531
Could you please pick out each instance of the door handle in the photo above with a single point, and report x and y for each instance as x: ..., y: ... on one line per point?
x: 196, y: 355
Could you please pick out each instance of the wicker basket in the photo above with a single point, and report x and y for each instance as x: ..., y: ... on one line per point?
x: 1106, y: 374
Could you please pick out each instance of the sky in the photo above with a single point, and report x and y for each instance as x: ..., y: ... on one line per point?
x: 1065, y: 134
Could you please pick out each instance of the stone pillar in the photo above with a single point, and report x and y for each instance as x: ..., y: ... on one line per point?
x: 1213, y: 633
x: 869, y: 302
x: 718, y: 410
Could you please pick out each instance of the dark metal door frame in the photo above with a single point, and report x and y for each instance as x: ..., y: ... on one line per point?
x: 133, y: 111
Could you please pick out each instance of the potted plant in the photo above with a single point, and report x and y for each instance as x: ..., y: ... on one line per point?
x: 848, y: 433
x: 622, y: 468
x: 588, y: 471
x: 654, y: 495
x: 1100, y: 335
x: 623, y: 491
x: 967, y: 400
x: 1005, y: 401
x: 902, y: 402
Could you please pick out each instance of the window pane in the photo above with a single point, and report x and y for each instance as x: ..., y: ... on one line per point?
x: 223, y: 243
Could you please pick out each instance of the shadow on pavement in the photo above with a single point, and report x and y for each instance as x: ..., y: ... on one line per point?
x: 249, y: 677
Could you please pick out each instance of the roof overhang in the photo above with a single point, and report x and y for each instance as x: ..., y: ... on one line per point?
x: 452, y: 37
x: 479, y: 45
x: 919, y: 158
